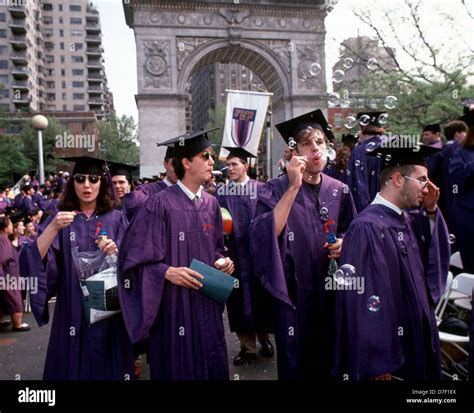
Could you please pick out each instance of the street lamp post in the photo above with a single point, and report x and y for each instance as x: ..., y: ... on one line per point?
x: 268, y: 143
x: 40, y: 122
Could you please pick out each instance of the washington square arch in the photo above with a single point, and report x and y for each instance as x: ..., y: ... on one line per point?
x: 278, y: 40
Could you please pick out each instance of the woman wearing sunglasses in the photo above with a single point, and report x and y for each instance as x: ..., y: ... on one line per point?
x: 77, y: 350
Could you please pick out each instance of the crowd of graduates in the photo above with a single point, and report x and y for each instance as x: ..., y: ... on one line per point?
x: 342, y: 262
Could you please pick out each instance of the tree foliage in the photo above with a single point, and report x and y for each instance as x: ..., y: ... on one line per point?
x: 118, y: 139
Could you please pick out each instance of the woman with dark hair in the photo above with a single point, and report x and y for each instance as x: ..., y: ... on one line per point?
x: 78, y: 350
x: 461, y: 175
x: 10, y: 299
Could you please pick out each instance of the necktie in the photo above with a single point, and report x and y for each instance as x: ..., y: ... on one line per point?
x: 196, y: 200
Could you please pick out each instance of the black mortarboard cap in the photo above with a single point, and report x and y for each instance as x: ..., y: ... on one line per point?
x: 396, y: 151
x: 87, y: 165
x: 315, y: 119
x: 349, y: 139
x: 240, y: 153
x: 468, y: 118
x: 372, y: 118
x: 434, y: 127
x: 117, y: 168
x: 190, y: 144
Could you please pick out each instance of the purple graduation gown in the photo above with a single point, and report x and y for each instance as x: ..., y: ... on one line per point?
x: 471, y: 341
x: 249, y: 306
x: 364, y: 173
x: 10, y: 300
x: 391, y: 327
x: 77, y: 351
x: 461, y: 173
x: 134, y: 200
x: 293, y: 268
x: 184, y: 327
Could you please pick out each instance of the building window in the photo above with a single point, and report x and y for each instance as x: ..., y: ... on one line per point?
x: 61, y: 45
x: 63, y: 84
x: 77, y: 84
x: 47, y: 6
x: 63, y: 59
x: 4, y: 93
x: 77, y: 72
x: 77, y: 59
x: 75, y: 20
x: 51, y: 97
x: 64, y: 107
x: 50, y: 72
x: 3, y: 33
x: 3, y: 17
x: 50, y: 84
x: 77, y: 46
x: 3, y: 49
x: 76, y: 33
x: 49, y: 46
x: 78, y: 96
x: 75, y: 7
x: 3, y: 64
x: 47, y: 19
x: 60, y: 7
x: 61, y: 33
x: 49, y: 59
x: 48, y: 32
x: 63, y: 72
x: 79, y: 108
x: 3, y: 79
x: 61, y: 21
x: 64, y: 96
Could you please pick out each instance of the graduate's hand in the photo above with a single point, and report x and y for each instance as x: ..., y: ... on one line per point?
x: 108, y: 246
x: 226, y: 265
x: 295, y: 170
x: 430, y: 196
x: 183, y: 277
x: 62, y: 220
x: 334, y: 249
x: 386, y: 376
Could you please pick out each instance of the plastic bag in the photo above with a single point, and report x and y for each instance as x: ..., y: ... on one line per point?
x: 98, y: 279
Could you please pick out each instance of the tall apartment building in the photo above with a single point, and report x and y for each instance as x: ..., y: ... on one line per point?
x: 51, y: 55
x: 208, y: 87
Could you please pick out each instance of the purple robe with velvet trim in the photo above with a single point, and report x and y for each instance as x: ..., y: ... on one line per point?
x: 293, y: 268
x: 461, y: 173
x: 77, y: 351
x: 391, y: 327
x: 363, y: 173
x: 10, y: 300
x: 134, y: 200
x: 249, y: 306
x: 185, y: 328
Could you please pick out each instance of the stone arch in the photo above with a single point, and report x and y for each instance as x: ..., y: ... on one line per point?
x: 257, y: 57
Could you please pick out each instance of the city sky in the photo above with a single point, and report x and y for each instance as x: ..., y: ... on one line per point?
x: 120, y: 55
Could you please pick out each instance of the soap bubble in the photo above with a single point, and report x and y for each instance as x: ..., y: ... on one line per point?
x: 348, y: 63
x: 390, y: 102
x: 374, y: 303
x: 350, y: 122
x: 338, y: 76
x: 372, y: 63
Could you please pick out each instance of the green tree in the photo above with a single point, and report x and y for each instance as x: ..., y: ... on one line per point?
x: 118, y: 139
x: 428, y: 78
x: 13, y: 162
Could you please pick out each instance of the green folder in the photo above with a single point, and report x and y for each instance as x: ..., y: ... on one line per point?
x: 216, y: 284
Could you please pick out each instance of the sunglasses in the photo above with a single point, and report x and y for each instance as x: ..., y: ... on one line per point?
x: 80, y: 178
x: 208, y: 155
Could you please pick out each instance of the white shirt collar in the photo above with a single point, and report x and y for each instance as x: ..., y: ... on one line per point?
x: 380, y: 200
x: 244, y: 182
x: 168, y: 183
x: 188, y: 192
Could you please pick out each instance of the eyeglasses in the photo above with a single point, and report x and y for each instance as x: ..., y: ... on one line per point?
x: 80, y: 178
x: 208, y: 155
x: 424, y: 183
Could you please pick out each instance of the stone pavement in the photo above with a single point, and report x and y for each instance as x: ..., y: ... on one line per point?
x: 22, y: 355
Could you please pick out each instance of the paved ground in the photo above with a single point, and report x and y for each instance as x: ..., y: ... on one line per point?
x: 22, y: 355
